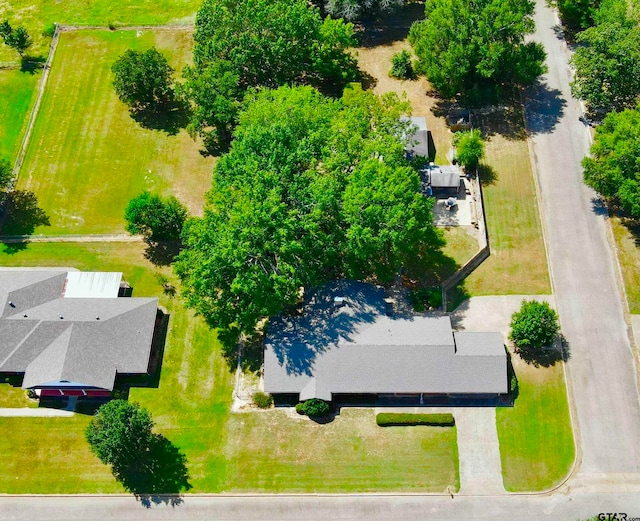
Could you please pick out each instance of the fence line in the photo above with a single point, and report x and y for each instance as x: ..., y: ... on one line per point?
x: 32, y: 118
x: 475, y: 261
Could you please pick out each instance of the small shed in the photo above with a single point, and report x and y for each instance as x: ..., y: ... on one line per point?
x: 446, y: 176
x: 417, y: 139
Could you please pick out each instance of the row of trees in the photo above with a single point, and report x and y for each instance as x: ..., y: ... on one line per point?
x: 312, y: 189
x: 607, y: 61
x: 607, y: 79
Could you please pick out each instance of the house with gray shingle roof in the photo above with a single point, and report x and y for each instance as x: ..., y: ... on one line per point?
x: 68, y: 332
x: 346, y: 342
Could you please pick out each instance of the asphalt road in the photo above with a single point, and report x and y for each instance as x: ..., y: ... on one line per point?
x: 601, y: 365
x: 301, y: 508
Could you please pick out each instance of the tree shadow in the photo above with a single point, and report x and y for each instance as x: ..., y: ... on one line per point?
x: 162, y: 253
x: 31, y: 64
x: 505, y: 120
x: 367, y: 81
x: 488, y: 176
x: 545, y: 356
x: 22, y: 216
x: 158, y: 475
x: 388, y: 27
x: 169, y: 119
x: 545, y: 106
x: 599, y: 206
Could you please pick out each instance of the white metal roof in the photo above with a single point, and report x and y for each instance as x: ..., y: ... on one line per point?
x: 82, y: 284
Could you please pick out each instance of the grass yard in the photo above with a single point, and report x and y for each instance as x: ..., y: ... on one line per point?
x: 518, y: 262
x: 627, y: 236
x: 460, y: 245
x: 87, y: 157
x: 261, y: 451
x: 36, y: 15
x: 17, y: 95
x: 536, y: 442
x: 273, y: 452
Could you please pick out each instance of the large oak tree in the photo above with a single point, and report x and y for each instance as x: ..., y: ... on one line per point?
x: 476, y: 48
x: 259, y: 43
x: 312, y: 189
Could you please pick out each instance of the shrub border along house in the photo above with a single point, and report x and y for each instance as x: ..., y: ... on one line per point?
x: 390, y: 419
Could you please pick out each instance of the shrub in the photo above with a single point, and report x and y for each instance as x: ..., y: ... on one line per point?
x: 49, y: 30
x: 262, y: 400
x: 388, y: 419
x: 422, y: 299
x: 313, y: 408
x: 469, y: 148
x: 534, y: 326
x: 401, y: 66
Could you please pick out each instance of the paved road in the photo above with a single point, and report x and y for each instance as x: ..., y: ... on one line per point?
x: 559, y: 507
x: 601, y: 367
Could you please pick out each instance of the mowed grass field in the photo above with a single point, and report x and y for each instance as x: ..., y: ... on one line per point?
x: 518, y: 262
x: 36, y: 15
x: 17, y: 95
x: 252, y: 451
x: 536, y: 441
x: 87, y: 157
x: 627, y: 237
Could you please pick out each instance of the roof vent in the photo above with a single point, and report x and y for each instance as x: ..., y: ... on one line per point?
x: 25, y: 315
x: 389, y: 305
x: 11, y: 304
x: 97, y: 318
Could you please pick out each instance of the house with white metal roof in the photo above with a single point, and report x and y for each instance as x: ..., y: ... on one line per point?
x: 68, y: 332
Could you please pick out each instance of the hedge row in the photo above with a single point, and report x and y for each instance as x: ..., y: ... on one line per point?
x: 388, y: 419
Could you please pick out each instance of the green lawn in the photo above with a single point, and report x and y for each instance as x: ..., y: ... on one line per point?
x: 36, y: 15
x: 518, y: 263
x: 17, y: 94
x: 257, y: 451
x: 536, y: 442
x: 627, y: 234
x: 87, y: 157
x: 460, y: 245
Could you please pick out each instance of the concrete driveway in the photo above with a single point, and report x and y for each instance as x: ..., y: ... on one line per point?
x: 601, y: 369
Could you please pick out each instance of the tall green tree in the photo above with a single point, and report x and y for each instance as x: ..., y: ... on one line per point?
x: 155, y: 217
x: 614, y: 166
x: 143, y: 80
x: 469, y: 148
x: 119, y: 433
x: 607, y: 66
x: 476, y: 48
x: 311, y: 189
x: 534, y: 326
x: 17, y: 38
x: 259, y: 43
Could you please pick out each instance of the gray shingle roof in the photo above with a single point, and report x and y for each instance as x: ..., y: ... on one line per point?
x: 356, y: 348
x: 417, y: 141
x: 61, y: 339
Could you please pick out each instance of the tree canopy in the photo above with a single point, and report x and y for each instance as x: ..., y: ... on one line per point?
x: 469, y: 148
x: 474, y: 49
x: 6, y: 174
x: 155, y: 217
x: 259, y: 43
x: 534, y: 326
x: 143, y: 80
x: 607, y: 66
x: 614, y: 166
x: 311, y: 189
x: 120, y: 434
x: 17, y: 38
